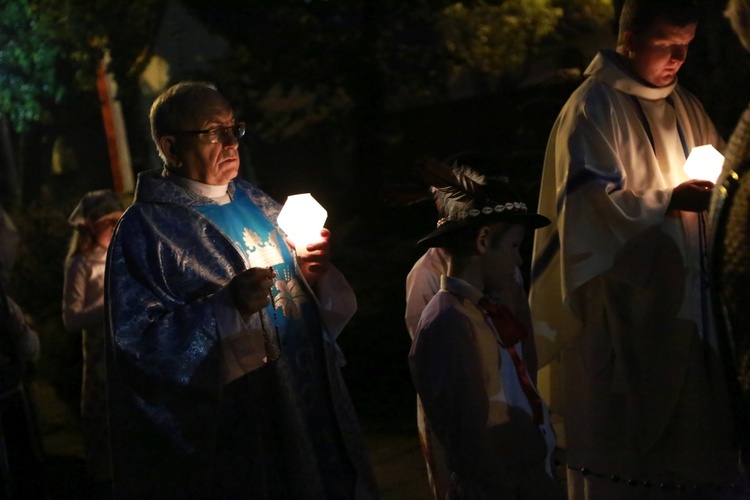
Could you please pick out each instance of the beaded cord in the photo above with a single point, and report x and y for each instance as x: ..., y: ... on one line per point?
x: 272, y: 345
x: 667, y: 486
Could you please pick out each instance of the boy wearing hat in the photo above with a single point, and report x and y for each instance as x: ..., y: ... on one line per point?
x: 467, y: 359
x: 423, y: 282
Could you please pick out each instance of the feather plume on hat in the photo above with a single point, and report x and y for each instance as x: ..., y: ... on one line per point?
x: 465, y: 197
x: 457, y: 184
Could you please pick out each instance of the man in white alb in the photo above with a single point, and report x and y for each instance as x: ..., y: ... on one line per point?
x: 619, y: 292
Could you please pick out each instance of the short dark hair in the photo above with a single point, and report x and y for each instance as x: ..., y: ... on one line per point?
x: 170, y: 109
x: 639, y: 15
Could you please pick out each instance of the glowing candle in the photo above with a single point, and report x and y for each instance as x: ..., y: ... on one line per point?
x: 704, y: 163
x: 302, y: 218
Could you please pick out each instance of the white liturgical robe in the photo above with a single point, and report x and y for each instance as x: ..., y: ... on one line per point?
x: 618, y: 300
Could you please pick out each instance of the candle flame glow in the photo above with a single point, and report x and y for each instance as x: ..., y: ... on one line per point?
x: 704, y: 163
x: 302, y: 218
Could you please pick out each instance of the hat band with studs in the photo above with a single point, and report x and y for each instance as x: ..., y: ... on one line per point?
x: 474, y: 212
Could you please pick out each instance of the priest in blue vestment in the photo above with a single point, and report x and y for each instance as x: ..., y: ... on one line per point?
x: 223, y: 370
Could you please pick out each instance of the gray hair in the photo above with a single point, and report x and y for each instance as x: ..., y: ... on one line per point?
x: 173, y: 106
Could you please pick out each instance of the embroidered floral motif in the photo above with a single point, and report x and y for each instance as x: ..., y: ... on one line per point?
x: 290, y: 297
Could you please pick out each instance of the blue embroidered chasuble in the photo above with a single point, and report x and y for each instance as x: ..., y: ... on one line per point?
x: 297, y: 318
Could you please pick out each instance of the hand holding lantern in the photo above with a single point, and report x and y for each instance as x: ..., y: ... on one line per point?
x: 703, y: 166
x: 302, y: 219
x: 704, y: 163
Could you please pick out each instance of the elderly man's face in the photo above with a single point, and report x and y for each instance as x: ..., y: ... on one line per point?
x: 657, y: 55
x: 198, y: 158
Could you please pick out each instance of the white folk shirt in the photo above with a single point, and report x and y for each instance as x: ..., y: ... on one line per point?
x: 469, y: 386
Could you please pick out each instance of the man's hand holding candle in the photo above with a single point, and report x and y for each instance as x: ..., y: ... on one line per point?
x: 313, y: 258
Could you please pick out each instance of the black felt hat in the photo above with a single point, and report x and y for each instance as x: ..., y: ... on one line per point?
x: 466, y: 198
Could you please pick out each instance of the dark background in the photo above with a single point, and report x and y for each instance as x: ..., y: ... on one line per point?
x: 365, y: 183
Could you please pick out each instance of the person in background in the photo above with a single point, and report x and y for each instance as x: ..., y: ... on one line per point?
x: 224, y: 375
x: 21, y: 449
x: 619, y: 290
x: 730, y: 221
x: 17, y: 331
x: 93, y: 220
x: 422, y: 283
x: 467, y: 356
x: 20, y: 340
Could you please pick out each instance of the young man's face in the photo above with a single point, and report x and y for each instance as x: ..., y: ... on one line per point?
x: 657, y: 54
x: 503, y: 256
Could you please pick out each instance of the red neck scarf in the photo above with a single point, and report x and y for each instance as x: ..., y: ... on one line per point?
x: 511, y: 331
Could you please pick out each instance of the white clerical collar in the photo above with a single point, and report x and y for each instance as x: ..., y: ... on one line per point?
x: 605, y: 67
x: 215, y: 193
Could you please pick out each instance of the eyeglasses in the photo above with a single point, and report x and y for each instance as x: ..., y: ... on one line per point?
x: 215, y: 135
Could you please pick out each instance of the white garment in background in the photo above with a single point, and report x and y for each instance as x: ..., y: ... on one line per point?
x: 616, y: 294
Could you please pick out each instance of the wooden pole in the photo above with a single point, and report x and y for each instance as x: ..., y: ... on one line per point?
x: 114, y: 129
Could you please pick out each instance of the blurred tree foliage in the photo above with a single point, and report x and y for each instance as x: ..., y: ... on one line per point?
x: 581, y: 15
x: 49, y: 53
x: 496, y: 40
x: 49, y: 49
x: 28, y: 59
x: 295, y: 63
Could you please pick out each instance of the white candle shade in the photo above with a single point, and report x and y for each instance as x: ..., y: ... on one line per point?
x: 302, y: 218
x: 704, y: 163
